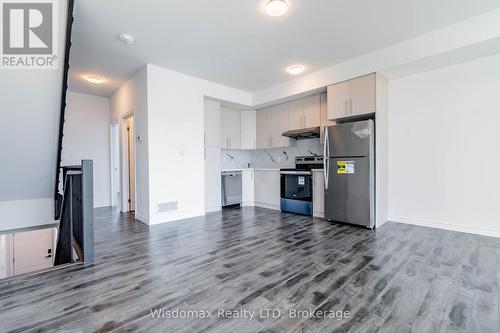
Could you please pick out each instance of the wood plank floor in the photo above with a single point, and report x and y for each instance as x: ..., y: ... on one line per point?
x: 399, y: 278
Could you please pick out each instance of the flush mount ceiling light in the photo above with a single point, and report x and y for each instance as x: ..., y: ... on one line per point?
x: 295, y: 69
x: 276, y: 8
x: 94, y: 79
x: 129, y: 39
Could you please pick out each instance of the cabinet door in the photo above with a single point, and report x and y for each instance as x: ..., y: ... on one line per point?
x: 225, y: 120
x: 248, y: 129
x: 295, y: 114
x: 234, y: 129
x: 339, y: 96
x: 312, y: 112
x: 273, y: 188
x: 260, y: 186
x: 318, y: 194
x: 263, y: 128
x: 212, y: 123
x: 248, y: 186
x: 362, y: 95
x: 279, y: 125
x: 324, y: 117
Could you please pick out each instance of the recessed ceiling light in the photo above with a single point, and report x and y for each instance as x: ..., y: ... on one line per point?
x: 94, y: 79
x: 276, y: 8
x: 129, y: 39
x: 295, y: 69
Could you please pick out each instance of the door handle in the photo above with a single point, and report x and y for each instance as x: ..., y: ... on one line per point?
x: 326, y: 157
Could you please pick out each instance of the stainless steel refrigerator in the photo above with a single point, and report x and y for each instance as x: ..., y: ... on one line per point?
x: 349, y: 169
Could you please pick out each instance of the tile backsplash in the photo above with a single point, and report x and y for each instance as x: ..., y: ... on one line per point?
x: 273, y: 158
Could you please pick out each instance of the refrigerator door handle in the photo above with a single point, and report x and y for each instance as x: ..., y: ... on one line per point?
x: 326, y: 158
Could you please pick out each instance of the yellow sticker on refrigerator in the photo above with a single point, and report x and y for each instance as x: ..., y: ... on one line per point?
x: 346, y: 167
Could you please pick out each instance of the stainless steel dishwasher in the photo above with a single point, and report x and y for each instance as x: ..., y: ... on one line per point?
x: 231, y: 188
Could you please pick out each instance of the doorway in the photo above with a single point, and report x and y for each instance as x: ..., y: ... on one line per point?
x: 128, y: 164
x: 115, y: 165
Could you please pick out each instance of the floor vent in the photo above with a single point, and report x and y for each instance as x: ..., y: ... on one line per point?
x: 167, y: 206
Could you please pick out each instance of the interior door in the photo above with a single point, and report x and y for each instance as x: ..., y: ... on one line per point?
x: 349, y: 191
x: 131, y: 163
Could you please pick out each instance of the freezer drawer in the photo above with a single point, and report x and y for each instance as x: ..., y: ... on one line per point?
x: 350, y: 192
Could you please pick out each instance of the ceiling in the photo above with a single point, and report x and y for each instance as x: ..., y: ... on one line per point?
x: 234, y: 43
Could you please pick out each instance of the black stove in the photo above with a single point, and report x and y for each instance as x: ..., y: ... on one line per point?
x: 297, y: 185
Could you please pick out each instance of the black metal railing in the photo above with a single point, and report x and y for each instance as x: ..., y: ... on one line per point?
x: 75, y: 242
x: 69, y: 26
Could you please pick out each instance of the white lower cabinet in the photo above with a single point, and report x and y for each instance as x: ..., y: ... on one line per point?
x: 267, y: 188
x: 318, y: 193
x: 247, y: 187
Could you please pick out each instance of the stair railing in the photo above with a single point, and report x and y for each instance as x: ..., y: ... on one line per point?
x: 75, y: 241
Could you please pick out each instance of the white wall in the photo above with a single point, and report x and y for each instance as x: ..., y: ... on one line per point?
x: 444, y: 158
x: 87, y: 136
x: 30, y: 102
x: 176, y: 147
x: 479, y: 35
x: 132, y: 97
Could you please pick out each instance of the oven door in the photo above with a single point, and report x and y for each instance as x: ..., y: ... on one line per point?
x: 296, y: 192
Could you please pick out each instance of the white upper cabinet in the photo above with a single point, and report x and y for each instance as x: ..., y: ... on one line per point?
x: 230, y: 128
x: 363, y: 95
x: 355, y: 97
x: 264, y: 132
x: 296, y: 113
x: 324, y: 117
x: 339, y: 96
x: 272, y: 122
x: 248, y: 129
x: 304, y: 112
x: 279, y: 121
x: 311, y: 113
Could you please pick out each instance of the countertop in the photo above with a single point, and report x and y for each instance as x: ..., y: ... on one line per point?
x: 254, y: 169
x: 261, y: 169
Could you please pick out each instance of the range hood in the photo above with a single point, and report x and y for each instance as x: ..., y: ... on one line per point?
x: 304, y: 133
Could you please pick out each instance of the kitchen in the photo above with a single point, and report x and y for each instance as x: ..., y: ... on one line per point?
x: 270, y: 156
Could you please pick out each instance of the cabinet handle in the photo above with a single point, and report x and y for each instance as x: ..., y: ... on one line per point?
x: 346, y: 107
x: 254, y: 144
x: 230, y: 143
x: 350, y: 106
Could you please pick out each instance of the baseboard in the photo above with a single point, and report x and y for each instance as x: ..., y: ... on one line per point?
x: 268, y: 206
x: 319, y: 214
x: 142, y: 219
x: 213, y: 209
x: 446, y: 226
